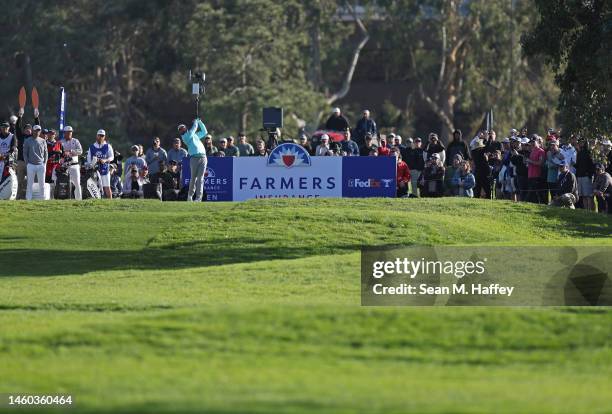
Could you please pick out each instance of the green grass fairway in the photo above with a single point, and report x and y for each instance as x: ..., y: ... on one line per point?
x: 142, y: 307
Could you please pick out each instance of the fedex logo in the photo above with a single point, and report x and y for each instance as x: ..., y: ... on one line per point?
x: 369, y: 183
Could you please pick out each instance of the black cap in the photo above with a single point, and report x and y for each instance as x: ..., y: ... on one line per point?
x: 173, y: 162
x: 5, y: 125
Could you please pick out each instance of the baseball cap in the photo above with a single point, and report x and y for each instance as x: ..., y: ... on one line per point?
x: 51, y: 131
x: 13, y: 119
x: 223, y: 140
x: 524, y: 140
x: 336, y: 110
x: 5, y: 125
x: 506, y: 140
x: 324, y: 136
x: 101, y: 132
x: 409, y: 140
x: 67, y: 128
x: 173, y: 162
x: 135, y: 147
x: 45, y: 131
x: 36, y: 128
x: 391, y: 135
x: 181, y: 126
x: 435, y: 156
x: 513, y: 131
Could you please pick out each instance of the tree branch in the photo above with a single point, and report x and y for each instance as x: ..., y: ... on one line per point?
x: 435, y: 108
x: 346, y: 84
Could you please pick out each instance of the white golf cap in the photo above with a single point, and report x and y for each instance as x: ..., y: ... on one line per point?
x: 67, y: 128
x: 336, y: 110
x: 36, y: 128
x: 13, y: 119
x: 324, y: 136
x: 101, y: 132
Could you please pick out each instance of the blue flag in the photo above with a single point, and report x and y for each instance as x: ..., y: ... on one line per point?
x: 62, y: 113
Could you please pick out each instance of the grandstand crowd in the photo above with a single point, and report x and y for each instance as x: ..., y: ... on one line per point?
x: 563, y: 171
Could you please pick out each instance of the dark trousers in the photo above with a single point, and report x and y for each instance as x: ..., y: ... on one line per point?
x: 483, y: 182
x: 553, y: 189
x: 522, y: 187
x: 604, y: 204
x: 535, y: 191
x: 402, y: 191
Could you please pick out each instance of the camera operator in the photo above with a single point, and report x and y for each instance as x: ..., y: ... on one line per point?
x: 133, y: 184
x: 432, y: 178
x: 197, y: 153
x: 103, y: 152
x: 602, y: 189
x: 568, y: 188
x: 72, y: 151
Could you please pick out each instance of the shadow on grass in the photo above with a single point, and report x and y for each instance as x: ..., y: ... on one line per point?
x: 42, y: 262
x: 579, y: 223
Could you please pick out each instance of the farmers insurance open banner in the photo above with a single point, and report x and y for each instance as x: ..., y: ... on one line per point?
x: 289, y: 171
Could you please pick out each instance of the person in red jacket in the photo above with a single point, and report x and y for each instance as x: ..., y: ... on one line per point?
x: 403, y: 173
x: 383, y: 150
x: 56, y: 151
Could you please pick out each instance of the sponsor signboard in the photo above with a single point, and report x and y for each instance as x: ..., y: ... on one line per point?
x: 290, y: 172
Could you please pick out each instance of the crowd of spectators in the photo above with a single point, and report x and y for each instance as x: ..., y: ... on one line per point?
x: 518, y: 167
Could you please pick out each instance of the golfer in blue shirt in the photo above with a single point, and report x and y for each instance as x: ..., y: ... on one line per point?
x: 197, y: 157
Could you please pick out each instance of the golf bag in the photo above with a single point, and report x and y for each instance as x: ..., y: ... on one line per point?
x: 8, y: 185
x: 63, y: 187
x: 91, y: 187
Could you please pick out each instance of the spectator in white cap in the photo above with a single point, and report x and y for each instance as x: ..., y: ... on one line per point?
x: 72, y: 151
x: 12, y: 124
x: 35, y: 155
x: 337, y: 121
x: 101, y: 153
x: 323, y: 147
